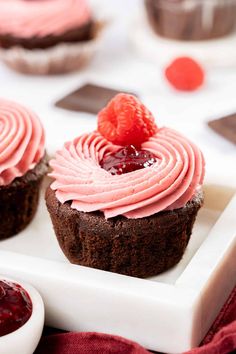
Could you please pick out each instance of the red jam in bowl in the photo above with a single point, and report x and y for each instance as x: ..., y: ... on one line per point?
x: 128, y: 159
x: 15, y: 307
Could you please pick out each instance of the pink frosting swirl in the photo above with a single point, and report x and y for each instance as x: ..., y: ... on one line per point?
x: 169, y: 184
x: 26, y: 19
x: 21, y: 141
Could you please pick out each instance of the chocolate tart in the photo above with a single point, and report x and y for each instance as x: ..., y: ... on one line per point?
x: 19, y: 200
x: 137, y: 247
x: 192, y: 19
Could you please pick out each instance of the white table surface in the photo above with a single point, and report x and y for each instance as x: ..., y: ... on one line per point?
x: 118, y: 65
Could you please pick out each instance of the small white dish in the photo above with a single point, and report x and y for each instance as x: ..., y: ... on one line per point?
x: 25, y: 339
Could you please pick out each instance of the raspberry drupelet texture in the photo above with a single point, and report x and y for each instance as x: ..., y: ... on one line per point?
x: 126, y: 121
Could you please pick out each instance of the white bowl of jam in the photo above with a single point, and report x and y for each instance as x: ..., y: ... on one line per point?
x: 21, y: 317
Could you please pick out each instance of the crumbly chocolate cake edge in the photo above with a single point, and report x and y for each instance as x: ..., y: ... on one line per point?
x: 136, y: 247
x: 19, y: 200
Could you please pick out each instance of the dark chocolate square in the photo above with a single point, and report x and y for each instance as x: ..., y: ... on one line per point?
x: 88, y: 98
x: 225, y: 126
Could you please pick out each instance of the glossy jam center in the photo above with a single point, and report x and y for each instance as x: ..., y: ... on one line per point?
x: 15, y: 307
x: 128, y: 159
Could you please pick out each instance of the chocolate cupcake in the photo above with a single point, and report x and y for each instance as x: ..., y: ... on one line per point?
x: 192, y: 19
x: 126, y: 209
x: 52, y: 36
x: 22, y: 166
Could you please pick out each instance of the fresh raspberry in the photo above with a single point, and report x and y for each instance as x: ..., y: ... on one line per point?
x: 185, y: 74
x: 125, y: 120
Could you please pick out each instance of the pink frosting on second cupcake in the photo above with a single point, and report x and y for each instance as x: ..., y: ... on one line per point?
x: 22, y: 141
x: 29, y: 18
x: 169, y: 184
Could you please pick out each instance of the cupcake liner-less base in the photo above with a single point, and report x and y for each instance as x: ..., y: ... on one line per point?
x: 136, y: 247
x: 19, y: 200
x: 62, y: 58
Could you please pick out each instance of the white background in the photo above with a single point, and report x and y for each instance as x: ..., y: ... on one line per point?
x: 118, y: 64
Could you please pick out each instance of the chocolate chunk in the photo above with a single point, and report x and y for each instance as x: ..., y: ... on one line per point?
x: 88, y: 98
x: 225, y: 126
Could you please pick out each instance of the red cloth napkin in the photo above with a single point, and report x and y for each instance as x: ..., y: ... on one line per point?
x: 221, y: 339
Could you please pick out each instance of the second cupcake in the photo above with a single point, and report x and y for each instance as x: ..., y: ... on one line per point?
x: 46, y: 37
x: 125, y: 197
x: 22, y: 166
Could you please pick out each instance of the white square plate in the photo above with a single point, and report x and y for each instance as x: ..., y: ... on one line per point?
x: 169, y: 313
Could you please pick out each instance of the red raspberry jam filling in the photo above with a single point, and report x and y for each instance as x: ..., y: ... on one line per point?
x: 15, y: 307
x: 127, y: 159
